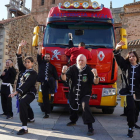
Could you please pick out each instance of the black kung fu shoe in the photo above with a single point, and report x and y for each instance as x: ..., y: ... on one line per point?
x: 71, y: 123
x: 130, y: 133
x: 31, y: 121
x: 3, y: 114
x: 9, y: 117
x: 136, y: 126
x: 46, y: 116
x: 22, y: 132
x: 123, y: 115
x: 90, y: 132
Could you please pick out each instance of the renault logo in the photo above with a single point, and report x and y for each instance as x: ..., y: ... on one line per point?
x: 101, y: 56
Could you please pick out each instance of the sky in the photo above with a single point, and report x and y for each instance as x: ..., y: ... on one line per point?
x: 115, y: 4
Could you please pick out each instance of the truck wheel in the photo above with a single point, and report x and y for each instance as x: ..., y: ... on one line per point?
x: 42, y: 108
x: 108, y: 110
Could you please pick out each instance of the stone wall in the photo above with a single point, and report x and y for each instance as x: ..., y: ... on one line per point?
x: 132, y: 8
x: 131, y: 21
x: 15, y: 31
x: 40, y: 12
x: 19, y: 28
x: 2, y: 40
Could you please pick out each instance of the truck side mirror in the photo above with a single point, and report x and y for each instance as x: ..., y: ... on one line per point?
x: 35, y: 37
x: 35, y: 40
x: 36, y: 30
x: 123, y: 35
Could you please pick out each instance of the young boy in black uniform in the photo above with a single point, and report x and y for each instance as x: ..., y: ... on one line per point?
x: 8, y: 77
x: 25, y: 88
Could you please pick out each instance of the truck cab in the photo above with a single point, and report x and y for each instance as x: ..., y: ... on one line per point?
x: 93, y: 25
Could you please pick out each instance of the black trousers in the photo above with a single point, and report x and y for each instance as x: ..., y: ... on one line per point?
x: 86, y: 115
x: 132, y: 109
x: 47, y: 87
x: 25, y: 109
x: 6, y: 101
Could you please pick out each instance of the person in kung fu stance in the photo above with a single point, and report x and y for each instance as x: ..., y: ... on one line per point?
x: 80, y: 77
x: 131, y: 69
x: 8, y: 77
x: 25, y: 89
x: 48, y: 77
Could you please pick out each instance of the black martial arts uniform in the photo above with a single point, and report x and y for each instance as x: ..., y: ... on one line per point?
x: 80, y: 83
x: 27, y: 91
x: 133, y: 81
x: 7, y: 80
x: 47, y: 75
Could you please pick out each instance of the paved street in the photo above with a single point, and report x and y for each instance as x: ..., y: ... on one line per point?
x: 107, y: 127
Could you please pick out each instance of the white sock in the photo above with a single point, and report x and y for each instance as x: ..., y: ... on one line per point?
x: 24, y: 127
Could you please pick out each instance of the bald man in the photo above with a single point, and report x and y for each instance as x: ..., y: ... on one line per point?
x: 80, y: 77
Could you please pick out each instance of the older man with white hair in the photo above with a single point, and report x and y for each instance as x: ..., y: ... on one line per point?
x: 8, y: 77
x: 80, y: 77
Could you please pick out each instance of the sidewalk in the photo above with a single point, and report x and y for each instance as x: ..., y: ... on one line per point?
x: 107, y: 127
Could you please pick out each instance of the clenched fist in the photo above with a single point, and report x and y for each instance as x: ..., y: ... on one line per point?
x: 64, y: 69
x: 94, y: 71
x: 3, y: 74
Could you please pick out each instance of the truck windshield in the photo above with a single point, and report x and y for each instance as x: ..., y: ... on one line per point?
x: 92, y: 34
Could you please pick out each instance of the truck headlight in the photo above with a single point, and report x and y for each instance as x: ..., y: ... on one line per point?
x: 108, y: 91
x: 66, y: 4
x: 76, y: 4
x: 85, y: 5
x: 95, y: 4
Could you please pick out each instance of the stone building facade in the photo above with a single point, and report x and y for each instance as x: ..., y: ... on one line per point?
x: 12, y: 31
x: 131, y: 20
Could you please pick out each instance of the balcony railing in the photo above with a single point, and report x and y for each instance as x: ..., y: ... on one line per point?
x: 16, y: 4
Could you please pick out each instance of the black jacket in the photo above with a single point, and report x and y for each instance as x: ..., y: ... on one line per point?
x: 80, y: 84
x: 42, y: 68
x: 9, y: 76
x: 26, y: 79
x: 132, y: 73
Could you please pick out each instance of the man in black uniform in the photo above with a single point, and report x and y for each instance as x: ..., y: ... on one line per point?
x: 8, y: 77
x: 48, y: 77
x: 80, y: 77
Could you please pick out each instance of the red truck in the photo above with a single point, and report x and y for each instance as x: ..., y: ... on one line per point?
x: 93, y: 25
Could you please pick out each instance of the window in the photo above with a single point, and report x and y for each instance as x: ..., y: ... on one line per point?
x: 53, y: 1
x: 42, y: 2
x: 92, y: 34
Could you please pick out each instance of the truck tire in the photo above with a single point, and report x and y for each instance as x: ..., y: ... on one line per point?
x: 108, y: 110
